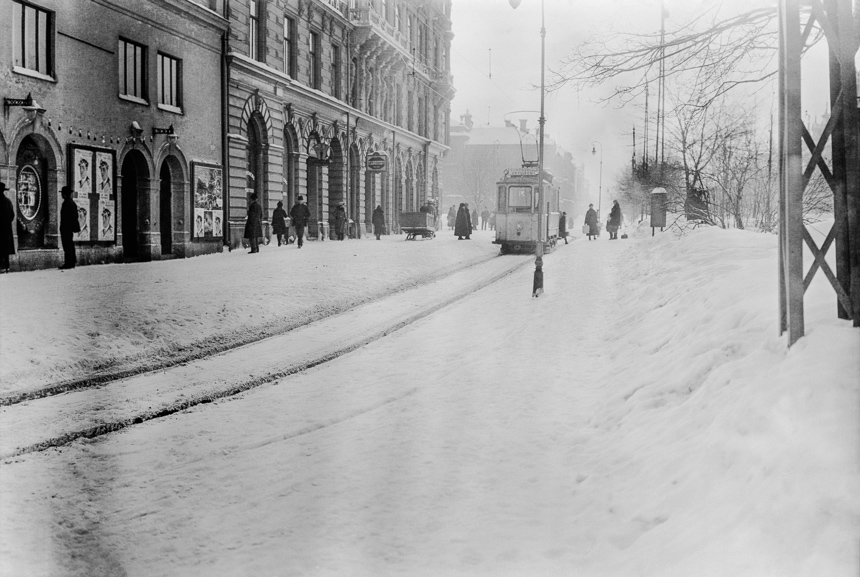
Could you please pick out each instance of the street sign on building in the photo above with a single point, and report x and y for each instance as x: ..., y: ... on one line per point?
x: 377, y: 162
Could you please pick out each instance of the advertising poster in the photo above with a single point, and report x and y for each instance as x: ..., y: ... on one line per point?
x: 104, y: 170
x: 106, y: 219
x: 83, y: 219
x: 83, y: 175
x: 208, y: 201
x: 93, y: 182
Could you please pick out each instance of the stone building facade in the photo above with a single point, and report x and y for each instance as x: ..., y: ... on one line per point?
x: 315, y: 86
x: 119, y: 100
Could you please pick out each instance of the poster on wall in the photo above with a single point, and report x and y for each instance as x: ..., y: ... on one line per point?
x: 92, y: 176
x: 104, y: 166
x: 106, y: 218
x: 208, y: 201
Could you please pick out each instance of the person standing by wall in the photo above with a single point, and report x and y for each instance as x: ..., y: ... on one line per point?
x: 279, y: 223
x: 254, y: 224
x: 340, y: 221
x: 69, y: 225
x: 7, y: 239
x: 300, y: 213
x: 378, y: 220
x: 562, y: 226
x: 591, y: 222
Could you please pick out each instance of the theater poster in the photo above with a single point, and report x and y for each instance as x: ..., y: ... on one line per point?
x: 208, y: 201
x: 92, y: 176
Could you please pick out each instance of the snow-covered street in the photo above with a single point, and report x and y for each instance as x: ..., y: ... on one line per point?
x: 642, y: 417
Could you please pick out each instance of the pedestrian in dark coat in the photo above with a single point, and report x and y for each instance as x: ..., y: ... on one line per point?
x: 300, y: 214
x: 7, y: 217
x: 279, y: 223
x: 340, y: 221
x: 69, y: 225
x: 474, y: 218
x: 378, y: 221
x: 562, y: 227
x: 614, y: 221
x: 485, y: 219
x: 463, y: 224
x: 254, y: 224
x: 591, y: 222
x: 452, y: 217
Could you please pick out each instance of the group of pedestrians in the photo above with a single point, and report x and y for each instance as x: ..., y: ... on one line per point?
x: 612, y: 225
x: 299, y: 215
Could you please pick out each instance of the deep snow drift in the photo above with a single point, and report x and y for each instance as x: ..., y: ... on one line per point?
x: 643, y: 417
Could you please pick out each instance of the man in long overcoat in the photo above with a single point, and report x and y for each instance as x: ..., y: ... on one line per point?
x: 340, y: 221
x: 463, y: 224
x: 279, y: 223
x: 7, y: 217
x: 562, y: 227
x: 614, y: 220
x: 254, y: 224
x: 591, y: 222
x: 378, y: 221
x: 300, y: 214
x: 69, y: 225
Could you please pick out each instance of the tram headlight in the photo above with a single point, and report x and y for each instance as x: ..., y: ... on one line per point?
x: 520, y: 225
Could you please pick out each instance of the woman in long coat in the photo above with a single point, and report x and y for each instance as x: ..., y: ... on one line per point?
x: 463, y: 224
x: 279, y: 223
x: 452, y: 217
x: 591, y: 222
x: 614, y: 220
x: 378, y: 221
x: 340, y: 221
x: 254, y: 224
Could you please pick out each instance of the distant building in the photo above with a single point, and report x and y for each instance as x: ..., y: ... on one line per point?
x: 107, y: 81
x: 480, y: 154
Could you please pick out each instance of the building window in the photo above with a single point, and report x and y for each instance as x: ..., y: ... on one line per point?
x: 33, y: 32
x: 253, y: 29
x: 289, y: 35
x: 409, y: 30
x: 169, y: 81
x: 398, y: 19
x: 335, y: 71
x: 314, y: 48
x: 132, y: 70
x: 384, y: 10
x: 410, y: 126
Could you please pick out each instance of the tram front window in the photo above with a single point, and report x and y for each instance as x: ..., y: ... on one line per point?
x: 520, y: 198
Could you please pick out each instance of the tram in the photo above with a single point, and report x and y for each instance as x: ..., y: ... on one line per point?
x: 517, y: 228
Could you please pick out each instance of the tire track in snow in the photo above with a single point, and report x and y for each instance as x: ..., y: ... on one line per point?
x: 69, y: 415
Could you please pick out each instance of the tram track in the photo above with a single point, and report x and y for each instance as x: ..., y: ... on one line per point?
x: 106, y: 404
x: 211, y: 346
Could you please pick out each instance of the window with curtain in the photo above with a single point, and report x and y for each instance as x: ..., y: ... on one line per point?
x: 132, y: 70
x: 169, y: 81
x: 32, y: 33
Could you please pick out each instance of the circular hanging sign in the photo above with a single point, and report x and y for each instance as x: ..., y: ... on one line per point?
x: 29, y: 193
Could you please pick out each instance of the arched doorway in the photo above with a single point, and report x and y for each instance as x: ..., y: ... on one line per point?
x: 410, y: 189
x: 336, y: 180
x: 355, y: 191
x: 398, y: 193
x: 291, y: 150
x: 134, y: 174
x: 165, y: 211
x: 32, y: 186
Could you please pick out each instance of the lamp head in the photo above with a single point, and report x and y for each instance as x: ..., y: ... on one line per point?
x: 514, y: 3
x: 593, y: 149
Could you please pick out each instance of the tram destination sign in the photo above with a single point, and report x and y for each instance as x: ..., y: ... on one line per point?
x: 377, y: 162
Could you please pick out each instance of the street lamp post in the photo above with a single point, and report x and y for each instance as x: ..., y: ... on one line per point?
x: 600, y: 181
x: 537, y: 285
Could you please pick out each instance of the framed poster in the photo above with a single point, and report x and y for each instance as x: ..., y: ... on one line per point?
x: 208, y: 201
x: 92, y: 176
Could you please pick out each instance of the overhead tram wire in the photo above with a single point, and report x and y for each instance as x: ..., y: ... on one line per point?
x: 483, y: 75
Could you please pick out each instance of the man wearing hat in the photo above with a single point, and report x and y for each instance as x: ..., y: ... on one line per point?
x: 69, y: 225
x: 340, y: 220
x: 300, y: 213
x: 7, y: 217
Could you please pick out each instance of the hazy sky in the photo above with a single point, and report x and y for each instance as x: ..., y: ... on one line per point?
x: 492, y: 37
